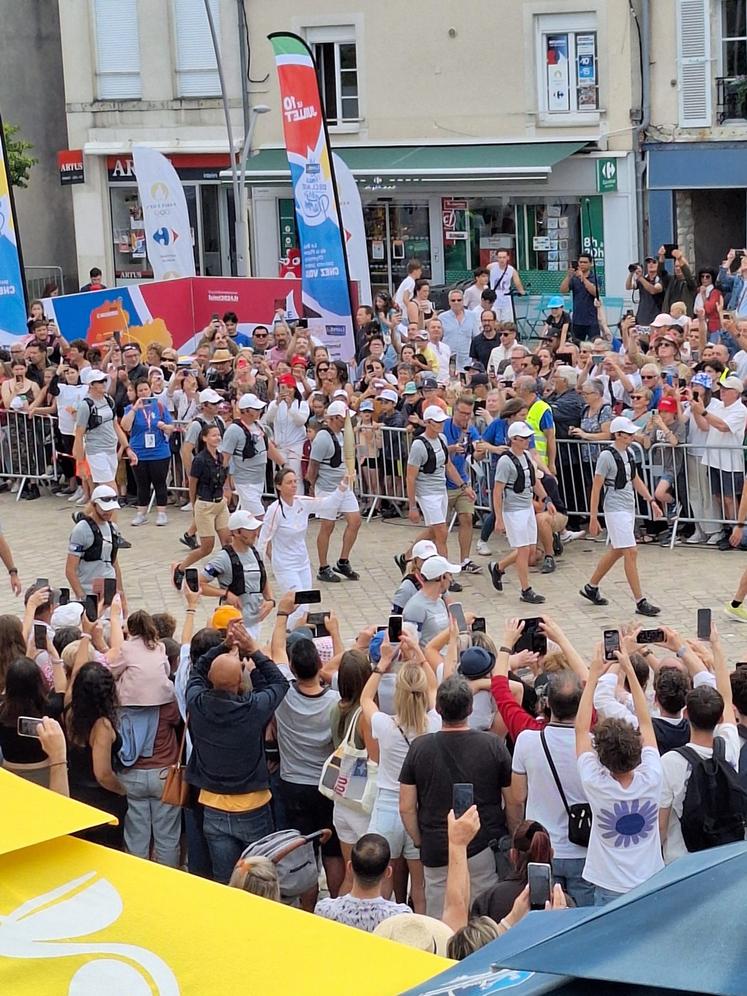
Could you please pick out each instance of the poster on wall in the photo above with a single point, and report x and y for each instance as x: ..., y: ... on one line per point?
x: 558, y: 76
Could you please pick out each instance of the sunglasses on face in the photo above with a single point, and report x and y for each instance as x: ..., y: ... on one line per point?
x: 638, y: 397
x: 648, y: 376
x: 322, y: 370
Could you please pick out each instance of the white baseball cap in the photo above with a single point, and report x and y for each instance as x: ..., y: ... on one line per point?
x: 623, y: 424
x: 243, y: 520
x: 89, y: 375
x: 434, y: 414
x: 251, y: 401
x: 424, y: 549
x: 520, y: 429
x: 209, y: 397
x: 67, y: 615
x: 337, y: 408
x: 366, y: 406
x: 436, y: 567
x: 389, y: 395
x: 663, y: 321
x: 732, y: 383
x: 105, y: 497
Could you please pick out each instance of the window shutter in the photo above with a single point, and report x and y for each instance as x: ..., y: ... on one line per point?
x: 117, y: 50
x: 694, y: 63
x: 196, y: 68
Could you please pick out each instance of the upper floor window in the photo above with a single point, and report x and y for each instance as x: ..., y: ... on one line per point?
x: 336, y: 59
x: 732, y: 83
x: 117, y: 50
x: 567, y: 58
x: 196, y: 66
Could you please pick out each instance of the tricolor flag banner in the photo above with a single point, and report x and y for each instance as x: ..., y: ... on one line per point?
x: 12, y: 287
x: 325, y: 280
x: 168, y: 237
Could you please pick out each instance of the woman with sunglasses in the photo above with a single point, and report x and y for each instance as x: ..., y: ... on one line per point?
x: 709, y: 302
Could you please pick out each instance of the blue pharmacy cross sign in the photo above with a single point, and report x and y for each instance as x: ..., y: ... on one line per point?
x: 606, y: 175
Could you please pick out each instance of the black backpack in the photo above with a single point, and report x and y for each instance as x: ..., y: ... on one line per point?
x: 250, y: 442
x: 742, y: 770
x: 238, y: 581
x: 714, y: 809
x: 336, y: 459
x: 200, y: 444
x: 94, y: 419
x: 93, y: 552
x: 520, y: 482
x: 429, y: 467
x: 621, y: 479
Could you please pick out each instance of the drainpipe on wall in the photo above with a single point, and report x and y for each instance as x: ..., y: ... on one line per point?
x: 640, y: 166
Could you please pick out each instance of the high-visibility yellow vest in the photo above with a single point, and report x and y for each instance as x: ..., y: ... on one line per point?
x: 533, y: 419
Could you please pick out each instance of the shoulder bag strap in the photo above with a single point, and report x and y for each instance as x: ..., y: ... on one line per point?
x: 349, y: 737
x: 404, y: 735
x: 554, y: 771
x: 180, y: 756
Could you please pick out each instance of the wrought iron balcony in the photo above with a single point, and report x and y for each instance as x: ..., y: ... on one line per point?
x: 731, y: 98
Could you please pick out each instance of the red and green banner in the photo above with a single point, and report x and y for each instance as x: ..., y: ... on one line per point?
x: 324, y: 272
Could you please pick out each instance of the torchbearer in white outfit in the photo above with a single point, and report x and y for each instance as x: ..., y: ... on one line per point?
x: 283, y: 535
x: 246, y: 447
x: 617, y: 472
x: 287, y: 416
x: 516, y: 483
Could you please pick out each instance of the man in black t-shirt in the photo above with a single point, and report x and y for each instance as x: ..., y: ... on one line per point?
x: 434, y: 763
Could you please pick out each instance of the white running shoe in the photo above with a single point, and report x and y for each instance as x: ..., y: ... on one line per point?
x: 82, y: 500
x: 139, y: 519
x: 162, y: 519
x: 483, y: 549
x: 78, y: 493
x: 187, y: 507
x: 568, y: 536
x: 697, y: 537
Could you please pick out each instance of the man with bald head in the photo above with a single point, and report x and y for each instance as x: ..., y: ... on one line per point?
x: 226, y: 723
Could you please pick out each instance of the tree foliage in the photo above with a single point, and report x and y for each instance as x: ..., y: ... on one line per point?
x: 19, y: 160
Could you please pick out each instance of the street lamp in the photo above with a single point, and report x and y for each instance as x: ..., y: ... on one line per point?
x: 241, y: 227
x: 242, y: 207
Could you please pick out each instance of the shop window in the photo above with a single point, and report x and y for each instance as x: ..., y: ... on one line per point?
x: 336, y: 55
x: 568, y: 65
x: 128, y: 233
x: 117, y: 50
x: 474, y: 229
x: 196, y: 67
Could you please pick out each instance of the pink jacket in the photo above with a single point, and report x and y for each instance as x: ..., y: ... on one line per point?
x: 142, y: 674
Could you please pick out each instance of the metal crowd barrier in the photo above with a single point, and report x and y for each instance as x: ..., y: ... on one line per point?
x: 28, y: 450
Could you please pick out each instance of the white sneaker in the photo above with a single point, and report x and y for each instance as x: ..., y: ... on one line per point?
x: 697, y: 537
x: 78, y: 493
x: 714, y: 540
x: 162, y: 519
x: 139, y: 519
x: 483, y: 549
x: 82, y: 500
x: 187, y: 507
x: 568, y: 536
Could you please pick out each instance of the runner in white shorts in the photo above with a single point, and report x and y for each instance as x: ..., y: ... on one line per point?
x: 97, y: 431
x: 617, y: 472
x: 516, y: 483
x: 326, y: 472
x: 246, y: 448
x: 428, y: 464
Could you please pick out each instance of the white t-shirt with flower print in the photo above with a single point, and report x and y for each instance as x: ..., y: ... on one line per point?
x: 625, y: 847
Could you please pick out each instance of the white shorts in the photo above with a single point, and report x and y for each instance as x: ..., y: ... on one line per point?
x: 521, y: 528
x: 349, y: 503
x: 103, y: 467
x: 435, y: 508
x: 250, y: 498
x: 620, y: 529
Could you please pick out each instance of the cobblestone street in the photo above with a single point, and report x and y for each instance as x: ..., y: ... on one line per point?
x: 680, y: 581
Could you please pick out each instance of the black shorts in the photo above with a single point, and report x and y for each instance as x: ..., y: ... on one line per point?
x: 307, y: 811
x: 726, y: 483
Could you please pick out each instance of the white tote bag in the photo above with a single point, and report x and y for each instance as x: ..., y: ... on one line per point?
x: 348, y: 776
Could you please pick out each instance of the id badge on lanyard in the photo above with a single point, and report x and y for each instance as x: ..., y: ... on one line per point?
x: 149, y: 439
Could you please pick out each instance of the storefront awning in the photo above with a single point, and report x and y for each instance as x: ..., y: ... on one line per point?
x: 382, y: 166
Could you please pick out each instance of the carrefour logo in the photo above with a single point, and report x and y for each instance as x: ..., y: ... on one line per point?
x: 165, y: 236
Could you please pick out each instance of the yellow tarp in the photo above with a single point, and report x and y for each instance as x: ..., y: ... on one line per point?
x: 77, y: 919
x: 30, y: 814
